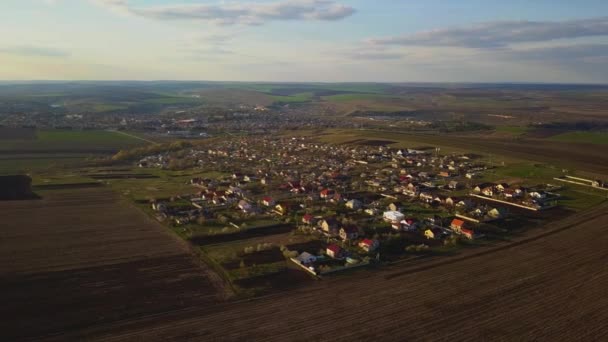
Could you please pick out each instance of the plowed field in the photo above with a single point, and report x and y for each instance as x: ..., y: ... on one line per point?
x: 83, y: 257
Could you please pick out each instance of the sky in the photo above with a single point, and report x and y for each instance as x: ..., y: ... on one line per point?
x: 552, y: 41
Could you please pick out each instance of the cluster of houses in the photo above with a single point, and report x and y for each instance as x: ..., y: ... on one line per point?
x: 339, y: 191
x: 519, y: 195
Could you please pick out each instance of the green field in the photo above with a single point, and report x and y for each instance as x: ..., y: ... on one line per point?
x: 295, y: 98
x: 56, y: 150
x: 357, y: 97
x: 513, y: 130
x: 600, y: 138
x: 166, y: 183
x: 72, y: 141
x: 33, y: 164
x: 528, y: 173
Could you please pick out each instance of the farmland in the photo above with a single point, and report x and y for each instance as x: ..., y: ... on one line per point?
x: 583, y: 137
x: 573, y: 155
x: 83, y: 256
x: 548, y: 286
x: 70, y: 141
x: 47, y: 152
x: 252, y: 211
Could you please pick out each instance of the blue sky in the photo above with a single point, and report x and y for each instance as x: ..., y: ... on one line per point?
x: 306, y: 40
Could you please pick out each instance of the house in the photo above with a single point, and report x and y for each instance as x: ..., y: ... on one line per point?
x: 449, y: 202
x: 371, y: 211
x: 268, y: 201
x: 245, y: 206
x: 233, y: 190
x: 329, y: 226
x: 349, y: 233
x: 306, y: 258
x: 512, y: 193
x: 409, y: 224
x: 479, y: 188
x: 538, y: 195
x: 334, y: 251
x: 433, y: 233
x: 426, y: 197
x: 501, y: 187
x: 469, y: 234
x: 489, y: 191
x: 326, y: 193
x: 160, y: 207
x: 281, y: 209
x: 453, y: 185
x: 369, y: 245
x: 336, y: 198
x: 354, y: 204
x: 182, y: 220
x: 496, y: 213
x: 464, y: 204
x: 308, y: 219
x: 457, y: 225
x: 393, y: 216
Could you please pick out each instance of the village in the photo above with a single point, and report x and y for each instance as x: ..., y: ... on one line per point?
x: 347, y: 205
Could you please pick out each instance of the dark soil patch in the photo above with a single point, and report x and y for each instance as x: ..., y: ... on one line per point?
x: 16, y: 187
x: 310, y: 246
x: 256, y: 258
x: 10, y: 133
x: 542, y: 133
x: 282, y: 280
x: 376, y: 142
x: 247, y: 234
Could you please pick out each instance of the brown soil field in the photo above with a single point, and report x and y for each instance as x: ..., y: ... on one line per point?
x: 81, y: 257
x: 549, y: 286
x: 10, y: 133
x: 580, y: 156
x: 277, y: 229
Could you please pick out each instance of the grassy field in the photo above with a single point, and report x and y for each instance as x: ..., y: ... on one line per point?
x: 51, y: 152
x: 164, y: 185
x: 524, y: 173
x: 38, y: 164
x: 72, y: 141
x: 295, y: 98
x: 107, y: 107
x: 513, y: 130
x: 357, y: 97
x: 600, y: 138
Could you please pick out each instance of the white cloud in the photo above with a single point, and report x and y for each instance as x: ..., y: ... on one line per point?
x: 40, y: 51
x: 233, y: 13
x: 500, y: 34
